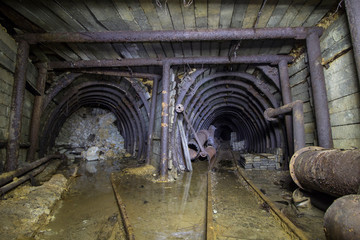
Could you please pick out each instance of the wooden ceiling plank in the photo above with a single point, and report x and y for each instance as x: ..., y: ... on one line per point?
x: 214, y: 48
x: 139, y: 14
x: 158, y: 50
x: 81, y: 13
x: 291, y: 13
x: 167, y: 48
x: 186, y: 46
x: 196, y: 48
x: 239, y: 13
x: 205, y: 48
x: 278, y: 12
x: 27, y: 13
x: 150, y: 50
x: 122, y: 50
x: 188, y: 15
x: 201, y: 14
x: 176, y: 15
x: 214, y: 8
x: 64, y: 15
x: 251, y: 13
x: 126, y: 15
x: 82, y: 54
x: 178, y: 24
x: 320, y: 11
x: 149, y: 10
x: 266, y: 13
x: 304, y: 13
x: 163, y: 16
x: 63, y: 51
x: 106, y: 14
x: 226, y: 13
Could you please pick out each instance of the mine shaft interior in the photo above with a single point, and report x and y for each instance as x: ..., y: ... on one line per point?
x: 190, y: 119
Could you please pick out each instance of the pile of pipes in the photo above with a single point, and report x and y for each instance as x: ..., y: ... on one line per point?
x: 203, y: 145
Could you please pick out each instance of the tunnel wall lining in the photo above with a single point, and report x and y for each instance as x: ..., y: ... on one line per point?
x: 8, y: 49
x: 342, y: 87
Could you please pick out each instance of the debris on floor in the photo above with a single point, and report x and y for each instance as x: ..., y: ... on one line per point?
x: 23, y: 210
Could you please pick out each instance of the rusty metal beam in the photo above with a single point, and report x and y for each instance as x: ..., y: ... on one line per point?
x: 286, y: 98
x: 171, y: 35
x: 17, y: 102
x: 165, y: 122
x: 152, y: 120
x: 352, y: 11
x: 318, y: 86
x: 296, y: 108
x: 37, y: 111
x: 133, y: 62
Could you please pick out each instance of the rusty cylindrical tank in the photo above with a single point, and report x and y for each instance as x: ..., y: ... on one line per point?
x: 332, y: 171
x: 341, y: 220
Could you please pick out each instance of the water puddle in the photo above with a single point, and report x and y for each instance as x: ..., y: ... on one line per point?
x: 172, y: 210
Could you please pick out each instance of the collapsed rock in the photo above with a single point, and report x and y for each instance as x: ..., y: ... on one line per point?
x: 90, y: 133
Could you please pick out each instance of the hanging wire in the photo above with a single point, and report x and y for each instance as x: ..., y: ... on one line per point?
x: 188, y: 4
x: 259, y: 13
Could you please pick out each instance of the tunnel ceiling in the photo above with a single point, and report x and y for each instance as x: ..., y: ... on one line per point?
x: 39, y: 16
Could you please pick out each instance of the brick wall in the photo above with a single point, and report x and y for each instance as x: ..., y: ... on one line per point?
x: 341, y: 83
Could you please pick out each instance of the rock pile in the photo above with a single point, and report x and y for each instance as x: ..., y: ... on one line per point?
x: 90, y: 133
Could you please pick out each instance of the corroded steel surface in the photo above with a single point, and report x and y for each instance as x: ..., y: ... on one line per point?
x: 332, y: 171
x: 173, y: 35
x: 341, y: 220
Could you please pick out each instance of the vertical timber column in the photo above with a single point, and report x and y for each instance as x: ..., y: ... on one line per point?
x: 164, y: 147
x: 287, y: 98
x: 37, y: 110
x: 152, y: 119
x: 318, y: 86
x: 17, y: 102
x: 352, y: 12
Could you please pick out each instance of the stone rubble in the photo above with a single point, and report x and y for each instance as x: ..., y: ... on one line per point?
x: 90, y: 133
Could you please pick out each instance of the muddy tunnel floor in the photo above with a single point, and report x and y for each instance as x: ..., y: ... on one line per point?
x: 88, y: 210
x: 171, y: 210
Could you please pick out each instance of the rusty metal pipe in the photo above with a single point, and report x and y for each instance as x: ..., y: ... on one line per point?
x: 331, y: 171
x: 286, y: 98
x: 133, y: 62
x: 122, y: 74
x: 17, y: 102
x: 152, y: 120
x: 37, y: 111
x: 318, y: 87
x: 165, y: 121
x: 172, y: 35
x: 341, y: 220
x: 352, y: 11
x: 5, y: 178
x: 296, y: 108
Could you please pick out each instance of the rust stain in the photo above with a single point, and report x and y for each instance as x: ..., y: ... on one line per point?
x: 164, y: 92
x: 164, y: 125
x: 164, y: 104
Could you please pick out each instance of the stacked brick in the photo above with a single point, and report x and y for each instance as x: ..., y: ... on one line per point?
x: 262, y: 161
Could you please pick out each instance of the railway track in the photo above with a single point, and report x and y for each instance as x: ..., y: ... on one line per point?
x: 224, y: 217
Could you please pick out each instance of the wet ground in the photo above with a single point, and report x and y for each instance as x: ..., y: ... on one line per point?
x: 169, y: 210
x: 88, y: 210
x: 237, y: 213
x: 177, y: 209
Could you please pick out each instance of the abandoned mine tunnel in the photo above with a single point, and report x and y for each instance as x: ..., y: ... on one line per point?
x: 179, y: 119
